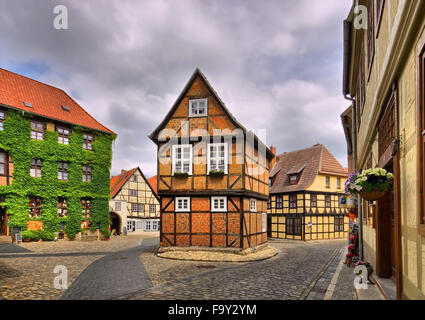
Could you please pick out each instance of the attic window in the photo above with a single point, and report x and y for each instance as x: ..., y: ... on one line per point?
x: 65, y: 108
x: 198, y: 108
x: 27, y: 104
x: 293, y: 179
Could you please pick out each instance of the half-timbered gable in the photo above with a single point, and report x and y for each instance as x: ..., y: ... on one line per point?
x: 210, y: 168
x: 306, y: 186
x: 134, y: 204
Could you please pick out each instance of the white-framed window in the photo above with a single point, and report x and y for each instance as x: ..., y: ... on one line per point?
x: 182, y: 204
x: 155, y: 225
x: 182, y: 158
x: 253, y: 205
x: 148, y: 225
x: 117, y: 206
x: 218, y: 204
x: 198, y: 108
x: 152, y: 208
x: 131, y: 225
x: 217, y: 157
x: 134, y: 207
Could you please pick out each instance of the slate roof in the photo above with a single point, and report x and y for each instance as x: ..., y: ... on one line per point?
x: 308, y: 163
x: 46, y: 101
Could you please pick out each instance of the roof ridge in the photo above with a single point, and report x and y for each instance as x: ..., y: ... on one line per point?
x: 298, y: 150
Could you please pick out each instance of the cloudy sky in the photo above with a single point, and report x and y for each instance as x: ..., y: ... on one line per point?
x: 276, y: 64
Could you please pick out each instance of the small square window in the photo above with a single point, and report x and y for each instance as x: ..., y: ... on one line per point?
x: 152, y: 208
x: 198, y: 108
x: 218, y: 204
x: 182, y: 204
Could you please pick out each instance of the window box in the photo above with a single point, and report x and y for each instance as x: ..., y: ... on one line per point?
x: 181, y: 174
x: 216, y: 173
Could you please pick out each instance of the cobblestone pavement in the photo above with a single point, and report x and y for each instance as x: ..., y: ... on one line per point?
x: 288, y: 276
x: 344, y: 289
x: 26, y: 272
x: 114, y: 274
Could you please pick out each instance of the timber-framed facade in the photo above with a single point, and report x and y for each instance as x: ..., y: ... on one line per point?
x: 134, y: 206
x: 212, y: 174
x: 305, y: 190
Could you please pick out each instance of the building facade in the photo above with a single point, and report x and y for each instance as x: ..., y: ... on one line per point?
x: 212, y: 174
x: 54, y: 162
x: 384, y: 72
x: 134, y: 205
x: 305, y: 190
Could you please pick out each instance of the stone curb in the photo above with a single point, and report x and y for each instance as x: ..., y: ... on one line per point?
x: 332, y: 286
x: 214, y: 256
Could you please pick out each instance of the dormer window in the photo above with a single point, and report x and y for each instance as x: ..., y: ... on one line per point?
x: 293, y: 179
x: 198, y: 108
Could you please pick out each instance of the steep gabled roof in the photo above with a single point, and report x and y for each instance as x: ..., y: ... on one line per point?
x: 153, y: 136
x: 117, y: 182
x: 308, y: 163
x: 153, y: 182
x: 46, y: 101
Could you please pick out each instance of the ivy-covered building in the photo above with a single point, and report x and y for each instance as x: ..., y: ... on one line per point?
x: 55, y: 161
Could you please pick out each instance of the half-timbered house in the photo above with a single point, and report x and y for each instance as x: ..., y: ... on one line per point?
x: 212, y: 173
x: 134, y: 205
x: 305, y: 187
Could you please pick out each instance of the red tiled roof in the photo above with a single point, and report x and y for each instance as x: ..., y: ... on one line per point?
x: 118, y: 181
x: 47, y: 101
x: 309, y: 162
x: 153, y: 181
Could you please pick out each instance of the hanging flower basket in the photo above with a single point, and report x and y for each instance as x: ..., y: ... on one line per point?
x: 371, y: 184
x: 372, y: 196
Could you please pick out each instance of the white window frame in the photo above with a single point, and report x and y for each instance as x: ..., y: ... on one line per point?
x: 177, y: 209
x: 264, y: 222
x: 192, y: 101
x: 214, y: 209
x: 226, y: 157
x: 182, y: 146
x: 253, y: 201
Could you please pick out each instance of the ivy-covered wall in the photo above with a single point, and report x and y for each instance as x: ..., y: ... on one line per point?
x: 15, y: 139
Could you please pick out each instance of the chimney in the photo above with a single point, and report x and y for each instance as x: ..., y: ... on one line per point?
x: 123, y: 171
x: 273, y: 162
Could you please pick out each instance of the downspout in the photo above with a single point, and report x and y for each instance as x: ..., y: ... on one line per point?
x: 347, y: 96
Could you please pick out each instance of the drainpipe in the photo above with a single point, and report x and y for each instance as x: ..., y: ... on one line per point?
x: 346, y: 92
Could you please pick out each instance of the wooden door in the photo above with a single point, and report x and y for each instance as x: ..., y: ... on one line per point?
x: 3, y: 222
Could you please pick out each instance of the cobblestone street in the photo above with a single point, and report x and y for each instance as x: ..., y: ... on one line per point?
x: 127, y: 268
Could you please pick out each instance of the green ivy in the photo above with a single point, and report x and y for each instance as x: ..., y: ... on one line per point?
x: 16, y: 140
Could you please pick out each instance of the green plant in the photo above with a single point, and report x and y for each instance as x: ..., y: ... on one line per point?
x: 370, y: 180
x: 181, y: 174
x: 15, y: 140
x: 33, y: 235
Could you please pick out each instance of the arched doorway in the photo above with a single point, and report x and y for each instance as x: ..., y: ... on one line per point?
x: 115, y: 222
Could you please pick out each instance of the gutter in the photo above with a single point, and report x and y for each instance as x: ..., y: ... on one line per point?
x: 348, y: 27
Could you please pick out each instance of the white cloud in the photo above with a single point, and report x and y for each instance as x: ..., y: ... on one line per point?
x: 276, y: 64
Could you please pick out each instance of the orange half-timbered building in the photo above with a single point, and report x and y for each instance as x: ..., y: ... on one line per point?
x: 212, y: 174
